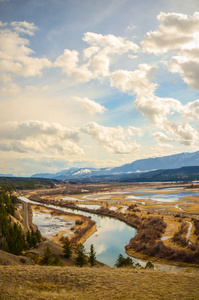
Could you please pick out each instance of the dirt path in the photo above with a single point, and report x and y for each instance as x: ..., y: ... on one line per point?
x: 189, y: 231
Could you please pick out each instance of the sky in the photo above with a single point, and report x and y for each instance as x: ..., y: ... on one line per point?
x: 96, y: 83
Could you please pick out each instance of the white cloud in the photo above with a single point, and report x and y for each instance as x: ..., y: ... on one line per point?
x: 110, y: 43
x: 15, y: 56
x: 115, y: 140
x: 88, y: 105
x: 39, y: 137
x: 100, y: 64
x: 24, y: 27
x: 24, y: 129
x: 136, y: 82
x: 183, y: 133
x: 157, y: 108
x: 176, y: 32
x: 191, y: 110
x: 68, y: 61
x: 88, y: 52
x: 179, y: 33
x: 11, y: 90
x: 162, y: 137
x: 187, y: 67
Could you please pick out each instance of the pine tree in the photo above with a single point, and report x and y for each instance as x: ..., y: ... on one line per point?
x: 67, y: 248
x: 38, y: 235
x: 92, y: 255
x: 81, y: 259
x: 48, y: 257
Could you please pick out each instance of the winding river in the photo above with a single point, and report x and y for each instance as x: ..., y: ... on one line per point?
x: 110, y: 238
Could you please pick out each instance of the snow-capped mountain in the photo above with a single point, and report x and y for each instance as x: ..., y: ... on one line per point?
x: 142, y: 165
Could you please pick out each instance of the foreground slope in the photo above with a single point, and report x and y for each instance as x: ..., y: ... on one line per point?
x: 36, y: 282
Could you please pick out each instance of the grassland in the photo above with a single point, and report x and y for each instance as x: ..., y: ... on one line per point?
x: 36, y: 282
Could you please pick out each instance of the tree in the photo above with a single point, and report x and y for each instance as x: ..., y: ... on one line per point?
x: 92, y: 255
x: 67, y: 248
x: 149, y: 265
x: 123, y: 262
x: 48, y: 257
x: 81, y: 259
x: 38, y: 235
x: 57, y: 261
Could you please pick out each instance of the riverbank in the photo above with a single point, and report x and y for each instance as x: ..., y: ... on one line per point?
x: 60, y: 283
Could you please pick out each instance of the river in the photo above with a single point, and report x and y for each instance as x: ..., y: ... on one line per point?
x: 109, y: 240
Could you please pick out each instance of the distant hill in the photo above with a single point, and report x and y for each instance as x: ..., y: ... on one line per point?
x: 6, y: 175
x: 181, y: 174
x: 142, y: 165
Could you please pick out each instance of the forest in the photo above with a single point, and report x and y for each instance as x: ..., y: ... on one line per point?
x: 12, y: 237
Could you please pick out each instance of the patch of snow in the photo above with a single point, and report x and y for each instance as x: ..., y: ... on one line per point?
x: 82, y: 171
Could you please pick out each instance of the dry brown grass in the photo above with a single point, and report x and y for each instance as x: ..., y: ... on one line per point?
x: 36, y: 282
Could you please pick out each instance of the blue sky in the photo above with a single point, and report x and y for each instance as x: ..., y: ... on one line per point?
x: 96, y: 83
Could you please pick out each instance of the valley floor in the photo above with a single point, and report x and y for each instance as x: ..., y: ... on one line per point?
x: 36, y: 282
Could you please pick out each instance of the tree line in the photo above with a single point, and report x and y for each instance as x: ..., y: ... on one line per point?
x: 12, y: 238
x: 18, y: 183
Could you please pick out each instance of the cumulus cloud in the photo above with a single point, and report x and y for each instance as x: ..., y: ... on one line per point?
x: 187, y: 67
x: 179, y: 33
x: 39, y: 137
x: 115, y: 140
x: 156, y: 108
x: 23, y: 129
x: 15, y: 55
x: 68, y: 61
x: 161, y: 136
x: 88, y: 52
x: 191, y: 110
x: 89, y: 106
x: 175, y: 32
x: 137, y: 82
x: 110, y: 43
x: 100, y: 64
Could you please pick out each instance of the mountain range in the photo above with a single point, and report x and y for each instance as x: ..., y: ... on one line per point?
x: 175, y: 161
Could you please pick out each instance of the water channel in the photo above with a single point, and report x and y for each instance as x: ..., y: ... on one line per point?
x: 109, y: 240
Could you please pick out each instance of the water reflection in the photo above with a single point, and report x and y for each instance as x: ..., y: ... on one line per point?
x: 170, y: 197
x: 110, y: 240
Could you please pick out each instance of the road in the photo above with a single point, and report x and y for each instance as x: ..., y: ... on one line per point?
x: 25, y: 219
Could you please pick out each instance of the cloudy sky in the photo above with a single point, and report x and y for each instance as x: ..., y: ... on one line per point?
x: 96, y: 83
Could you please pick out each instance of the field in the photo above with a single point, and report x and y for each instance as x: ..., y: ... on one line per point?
x: 39, y: 283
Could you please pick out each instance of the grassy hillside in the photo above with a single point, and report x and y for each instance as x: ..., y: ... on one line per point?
x: 34, y: 282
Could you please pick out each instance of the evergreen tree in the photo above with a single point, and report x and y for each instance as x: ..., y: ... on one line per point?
x: 58, y: 262
x: 48, y: 257
x: 123, y: 262
x: 67, y: 248
x: 149, y: 265
x: 38, y: 235
x: 81, y: 259
x: 92, y: 256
